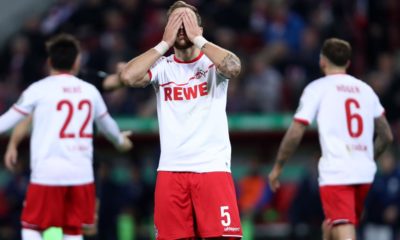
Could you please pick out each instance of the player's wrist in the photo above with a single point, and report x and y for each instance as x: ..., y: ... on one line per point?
x: 199, y: 41
x: 162, y: 47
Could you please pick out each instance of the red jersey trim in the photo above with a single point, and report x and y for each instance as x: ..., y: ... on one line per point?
x: 150, y: 74
x: 103, y: 115
x: 20, y: 111
x: 190, y: 61
x: 302, y: 121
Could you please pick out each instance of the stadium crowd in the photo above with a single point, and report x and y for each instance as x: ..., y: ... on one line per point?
x: 278, y: 42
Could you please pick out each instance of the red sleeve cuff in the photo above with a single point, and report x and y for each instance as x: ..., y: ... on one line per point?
x: 302, y: 121
x: 150, y: 74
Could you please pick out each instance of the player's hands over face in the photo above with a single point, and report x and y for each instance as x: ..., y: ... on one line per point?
x: 171, y: 30
x: 127, y: 143
x: 273, y: 180
x: 10, y: 158
x: 191, y: 25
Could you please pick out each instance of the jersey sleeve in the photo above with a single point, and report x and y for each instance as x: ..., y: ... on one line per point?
x: 27, y: 101
x: 378, y: 108
x: 155, y: 70
x: 308, y: 106
x: 100, y: 108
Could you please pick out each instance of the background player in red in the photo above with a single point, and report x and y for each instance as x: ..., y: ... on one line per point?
x: 195, y: 195
x: 63, y: 108
x: 348, y: 112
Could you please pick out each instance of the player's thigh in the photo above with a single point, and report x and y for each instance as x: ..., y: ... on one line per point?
x: 338, y: 203
x: 43, y: 206
x: 215, y: 205
x: 173, y: 210
x: 80, y: 209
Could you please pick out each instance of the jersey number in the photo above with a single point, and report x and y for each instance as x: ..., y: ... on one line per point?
x: 70, y: 108
x: 355, y: 130
x: 225, y: 214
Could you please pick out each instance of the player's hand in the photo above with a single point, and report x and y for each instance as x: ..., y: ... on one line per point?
x: 10, y: 158
x: 191, y: 25
x: 171, y: 30
x: 273, y: 180
x: 127, y: 143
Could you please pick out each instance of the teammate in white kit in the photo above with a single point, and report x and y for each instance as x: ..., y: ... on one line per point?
x: 347, y: 112
x: 195, y: 195
x: 61, y: 192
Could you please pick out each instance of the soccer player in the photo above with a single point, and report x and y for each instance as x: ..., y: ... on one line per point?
x: 63, y: 108
x: 347, y: 112
x: 195, y: 194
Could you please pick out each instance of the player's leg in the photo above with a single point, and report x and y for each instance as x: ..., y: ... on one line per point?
x: 216, y: 210
x: 173, y: 208
x: 326, y: 230
x: 344, y: 232
x: 79, y: 210
x: 30, y: 234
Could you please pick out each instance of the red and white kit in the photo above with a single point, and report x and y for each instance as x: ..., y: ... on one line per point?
x: 345, y: 109
x: 63, y: 109
x: 191, y: 102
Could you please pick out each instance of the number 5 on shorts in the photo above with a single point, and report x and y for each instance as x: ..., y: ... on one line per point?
x: 224, y: 214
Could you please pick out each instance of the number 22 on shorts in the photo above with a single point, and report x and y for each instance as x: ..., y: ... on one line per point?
x: 226, y: 217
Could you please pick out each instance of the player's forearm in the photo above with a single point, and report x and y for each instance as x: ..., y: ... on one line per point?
x: 109, y: 128
x: 227, y: 63
x: 133, y: 74
x: 289, y: 144
x: 384, y: 136
x: 19, y: 133
x: 9, y: 120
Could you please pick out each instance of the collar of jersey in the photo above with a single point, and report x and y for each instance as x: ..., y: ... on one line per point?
x: 190, y: 61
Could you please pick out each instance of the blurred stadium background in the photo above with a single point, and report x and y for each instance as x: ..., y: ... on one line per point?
x: 278, y: 42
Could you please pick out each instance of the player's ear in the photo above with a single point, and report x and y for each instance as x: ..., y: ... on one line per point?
x: 77, y: 63
x: 348, y: 63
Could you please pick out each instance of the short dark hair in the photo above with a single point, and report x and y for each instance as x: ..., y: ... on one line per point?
x: 337, y: 51
x: 62, y: 51
x: 182, y: 4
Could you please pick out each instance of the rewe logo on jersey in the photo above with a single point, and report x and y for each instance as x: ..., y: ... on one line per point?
x: 180, y: 93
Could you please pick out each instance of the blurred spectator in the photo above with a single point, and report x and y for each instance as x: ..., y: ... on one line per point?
x: 263, y: 87
x: 383, y: 202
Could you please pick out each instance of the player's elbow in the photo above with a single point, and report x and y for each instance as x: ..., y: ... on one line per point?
x: 232, y: 68
x: 389, y: 138
x: 130, y: 78
x: 235, y: 69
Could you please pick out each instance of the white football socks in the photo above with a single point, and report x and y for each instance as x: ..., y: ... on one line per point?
x: 29, y: 234
x: 72, y: 237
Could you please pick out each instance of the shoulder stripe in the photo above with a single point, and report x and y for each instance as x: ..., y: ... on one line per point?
x: 20, y: 111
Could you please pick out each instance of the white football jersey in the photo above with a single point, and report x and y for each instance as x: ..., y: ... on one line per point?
x: 191, y: 102
x: 63, y: 109
x: 345, y: 109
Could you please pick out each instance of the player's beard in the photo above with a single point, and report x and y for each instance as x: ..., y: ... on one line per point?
x: 183, y: 44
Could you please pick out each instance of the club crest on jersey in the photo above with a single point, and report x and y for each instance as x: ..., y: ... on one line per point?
x: 200, y: 73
